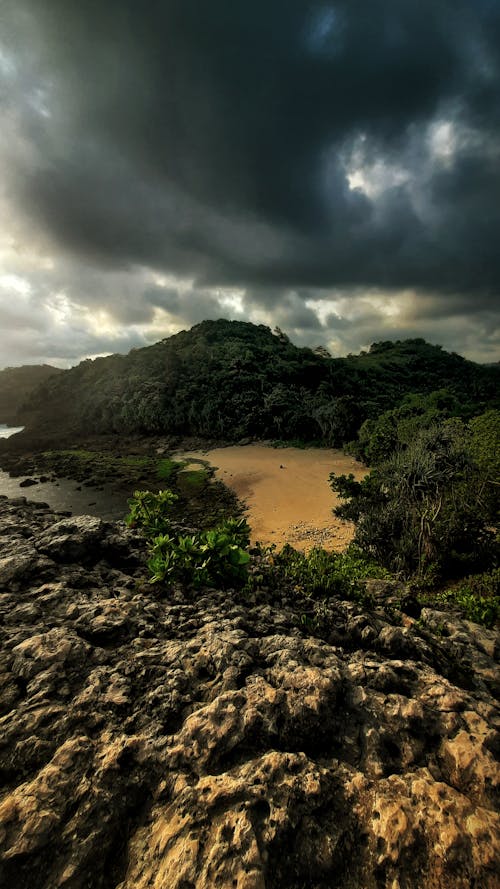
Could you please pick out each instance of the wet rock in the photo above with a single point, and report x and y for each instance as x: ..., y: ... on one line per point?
x: 28, y: 482
x: 163, y: 739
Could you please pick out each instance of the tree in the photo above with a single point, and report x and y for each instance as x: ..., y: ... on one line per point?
x: 485, y: 447
x: 421, y: 508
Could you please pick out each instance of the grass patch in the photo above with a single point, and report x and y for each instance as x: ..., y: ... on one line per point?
x: 166, y: 468
x: 84, y: 456
x: 477, y: 598
x: 134, y: 461
x: 100, y: 467
x: 192, y: 481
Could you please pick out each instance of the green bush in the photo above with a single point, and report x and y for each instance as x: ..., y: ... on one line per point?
x: 422, y: 508
x: 318, y: 573
x: 151, y: 512
x: 206, y: 558
x: 214, y: 557
x: 395, y: 429
x: 478, y: 597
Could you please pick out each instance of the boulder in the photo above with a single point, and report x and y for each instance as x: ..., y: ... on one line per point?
x: 28, y: 482
x: 77, y: 538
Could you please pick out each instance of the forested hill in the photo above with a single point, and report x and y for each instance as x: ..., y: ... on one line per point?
x: 231, y: 380
x: 17, y: 384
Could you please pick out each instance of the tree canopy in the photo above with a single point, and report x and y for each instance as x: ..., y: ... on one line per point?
x: 231, y: 379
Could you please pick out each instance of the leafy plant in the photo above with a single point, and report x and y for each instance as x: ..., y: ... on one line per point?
x: 212, y: 557
x: 151, y: 512
x: 318, y: 574
x: 237, y: 529
x: 478, y: 597
x: 216, y: 556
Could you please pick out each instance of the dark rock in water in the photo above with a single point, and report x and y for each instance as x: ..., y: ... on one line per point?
x: 28, y: 482
x: 171, y: 740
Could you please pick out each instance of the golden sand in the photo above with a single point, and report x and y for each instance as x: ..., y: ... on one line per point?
x: 286, y: 491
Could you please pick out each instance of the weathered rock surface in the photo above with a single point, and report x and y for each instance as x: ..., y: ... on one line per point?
x: 151, y: 740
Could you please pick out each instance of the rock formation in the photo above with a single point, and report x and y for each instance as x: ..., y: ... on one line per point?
x: 180, y: 741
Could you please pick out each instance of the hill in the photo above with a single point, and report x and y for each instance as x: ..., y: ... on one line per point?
x: 16, y: 386
x: 231, y: 380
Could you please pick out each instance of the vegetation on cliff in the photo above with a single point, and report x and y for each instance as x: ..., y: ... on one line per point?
x: 17, y: 385
x: 428, y: 510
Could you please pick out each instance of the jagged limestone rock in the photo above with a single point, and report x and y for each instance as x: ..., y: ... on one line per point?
x: 173, y: 741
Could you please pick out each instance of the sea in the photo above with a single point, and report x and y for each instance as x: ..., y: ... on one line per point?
x: 65, y: 495
x: 7, y: 431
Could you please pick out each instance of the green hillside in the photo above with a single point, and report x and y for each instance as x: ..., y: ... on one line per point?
x: 231, y: 379
x: 16, y: 386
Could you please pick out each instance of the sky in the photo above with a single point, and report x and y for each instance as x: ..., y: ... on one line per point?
x: 330, y: 168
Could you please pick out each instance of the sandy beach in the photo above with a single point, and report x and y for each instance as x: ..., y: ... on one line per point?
x: 286, y: 491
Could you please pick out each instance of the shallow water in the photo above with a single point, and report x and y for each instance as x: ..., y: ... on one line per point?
x: 7, y: 431
x: 64, y: 495
x: 287, y: 492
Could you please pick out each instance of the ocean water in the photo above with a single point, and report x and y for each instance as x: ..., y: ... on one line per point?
x: 7, y: 431
x: 65, y: 495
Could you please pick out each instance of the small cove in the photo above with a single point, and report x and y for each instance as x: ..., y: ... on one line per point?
x: 286, y: 491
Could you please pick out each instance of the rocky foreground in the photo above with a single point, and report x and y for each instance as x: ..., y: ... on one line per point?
x: 160, y: 740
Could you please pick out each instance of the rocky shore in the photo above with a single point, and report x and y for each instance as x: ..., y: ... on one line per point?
x: 115, y: 468
x: 154, y: 739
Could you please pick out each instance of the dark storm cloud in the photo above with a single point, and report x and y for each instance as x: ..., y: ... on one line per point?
x: 296, y: 151
x: 167, y: 298
x: 186, y: 306
x: 289, y: 309
x: 211, y: 139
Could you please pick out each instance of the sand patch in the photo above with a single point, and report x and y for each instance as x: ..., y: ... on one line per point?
x: 286, y: 492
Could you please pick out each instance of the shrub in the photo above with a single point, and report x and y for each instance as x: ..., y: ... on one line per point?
x: 214, y: 557
x: 319, y: 573
x: 422, y: 507
x: 478, y: 597
x: 151, y: 512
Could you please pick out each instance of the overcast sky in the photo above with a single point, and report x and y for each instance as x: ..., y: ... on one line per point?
x: 333, y: 168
